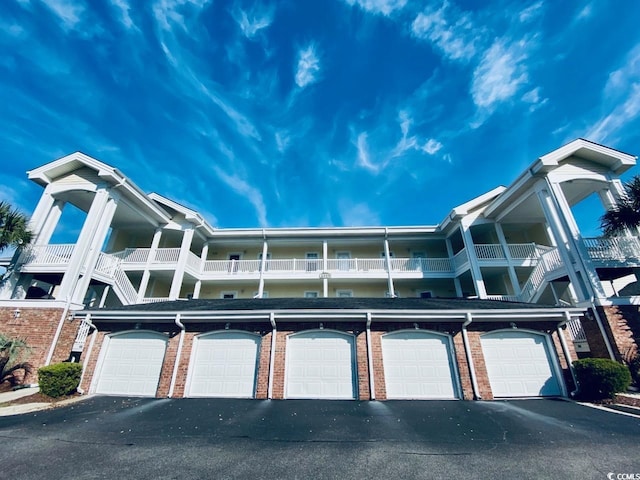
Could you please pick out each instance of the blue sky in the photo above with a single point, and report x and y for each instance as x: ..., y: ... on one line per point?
x: 313, y: 113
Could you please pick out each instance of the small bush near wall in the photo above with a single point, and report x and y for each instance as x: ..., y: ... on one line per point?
x: 59, y: 379
x: 600, y: 378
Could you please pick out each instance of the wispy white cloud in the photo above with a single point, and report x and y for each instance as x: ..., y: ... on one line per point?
x: 254, y: 20
x: 619, y: 117
x: 357, y: 214
x: 621, y: 98
x: 68, y: 11
x: 169, y: 12
x: 124, y: 9
x: 449, y: 30
x: 364, y: 159
x: 244, y: 189
x: 500, y: 74
x: 384, y: 7
x: 531, y: 12
x: 432, y: 146
x: 308, y: 68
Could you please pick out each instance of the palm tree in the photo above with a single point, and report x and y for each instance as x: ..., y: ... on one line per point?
x: 14, y: 231
x: 625, y: 214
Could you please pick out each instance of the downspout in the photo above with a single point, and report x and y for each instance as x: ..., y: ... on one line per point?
x: 56, y: 337
x: 272, y: 355
x: 467, y: 351
x: 372, y: 386
x: 88, y: 357
x: 565, y: 350
x: 178, y: 355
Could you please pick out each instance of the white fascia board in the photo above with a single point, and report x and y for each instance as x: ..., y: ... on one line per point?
x: 311, y: 315
x: 46, y: 174
x: 615, y: 160
x: 464, y: 209
x: 189, y: 214
x: 322, y: 232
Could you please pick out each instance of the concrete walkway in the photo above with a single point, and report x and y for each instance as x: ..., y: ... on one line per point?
x: 6, y: 397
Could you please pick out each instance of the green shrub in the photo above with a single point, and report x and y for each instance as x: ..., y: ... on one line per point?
x: 600, y: 378
x: 59, y: 379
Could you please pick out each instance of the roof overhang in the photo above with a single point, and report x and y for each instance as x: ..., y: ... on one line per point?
x: 616, y: 161
x: 48, y: 173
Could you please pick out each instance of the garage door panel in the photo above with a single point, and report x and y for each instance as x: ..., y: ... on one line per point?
x: 224, y: 365
x: 131, y: 364
x: 418, y: 365
x: 320, y: 364
x: 519, y: 364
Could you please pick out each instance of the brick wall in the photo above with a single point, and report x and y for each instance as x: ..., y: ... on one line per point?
x: 622, y: 324
x: 362, y: 362
x: 37, y: 326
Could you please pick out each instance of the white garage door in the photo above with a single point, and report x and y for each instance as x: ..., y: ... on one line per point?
x: 223, y: 364
x: 320, y: 364
x: 519, y: 364
x: 131, y: 364
x: 418, y: 365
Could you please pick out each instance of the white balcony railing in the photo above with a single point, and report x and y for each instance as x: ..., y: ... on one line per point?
x: 504, y: 298
x: 356, y: 265
x: 523, y: 251
x: 47, y: 255
x: 489, y: 251
x: 231, y: 266
x: 425, y: 265
x: 612, y: 249
x: 576, y: 330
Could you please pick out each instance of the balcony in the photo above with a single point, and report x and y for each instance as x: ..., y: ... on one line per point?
x: 612, y: 252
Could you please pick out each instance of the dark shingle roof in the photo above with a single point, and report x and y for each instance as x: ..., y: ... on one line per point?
x: 330, y: 303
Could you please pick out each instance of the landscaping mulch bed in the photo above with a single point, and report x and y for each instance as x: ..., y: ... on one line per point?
x: 41, y: 398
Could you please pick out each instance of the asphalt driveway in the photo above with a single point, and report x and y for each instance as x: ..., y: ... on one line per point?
x: 109, y: 437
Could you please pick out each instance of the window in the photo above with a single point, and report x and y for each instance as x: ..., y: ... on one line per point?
x: 228, y: 294
x: 416, y: 260
x: 265, y: 294
x: 312, y: 261
x: 344, y: 293
x: 344, y: 260
x: 234, y: 258
x: 427, y: 294
x: 311, y: 294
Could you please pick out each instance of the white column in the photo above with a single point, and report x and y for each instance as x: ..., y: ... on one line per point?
x: 263, y: 265
x: 95, y: 247
x: 196, y: 289
x: 476, y: 274
x: 325, y: 267
x: 562, y: 242
x: 41, y: 214
x: 515, y: 285
x: 84, y: 243
x: 587, y: 273
x: 387, y: 255
x: 50, y: 223
x: 144, y: 282
x: 178, y: 276
x: 456, y: 280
